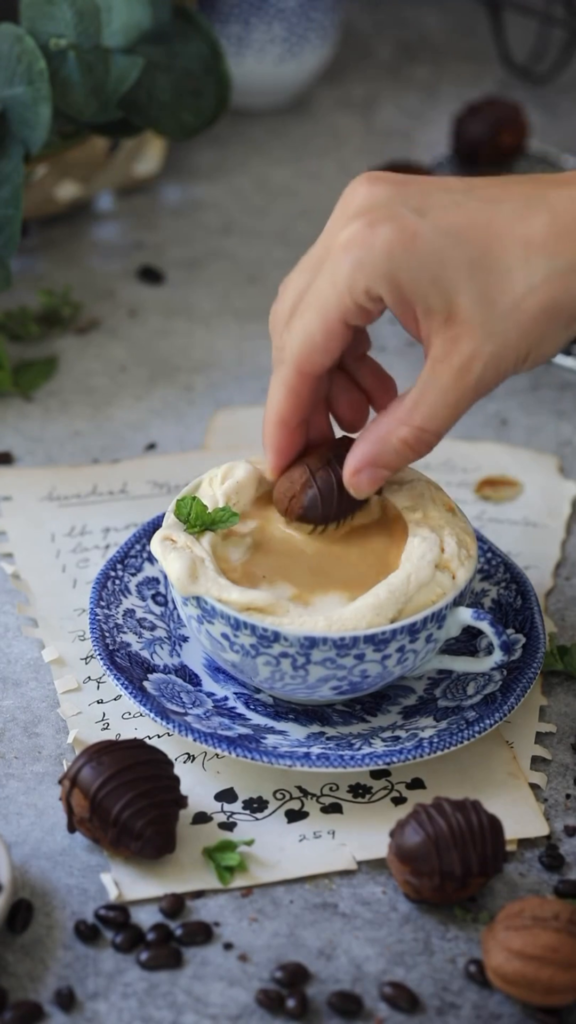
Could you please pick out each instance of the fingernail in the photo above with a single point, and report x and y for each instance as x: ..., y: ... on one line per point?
x: 365, y: 483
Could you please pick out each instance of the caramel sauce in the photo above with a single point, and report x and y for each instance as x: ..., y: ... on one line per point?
x: 264, y: 551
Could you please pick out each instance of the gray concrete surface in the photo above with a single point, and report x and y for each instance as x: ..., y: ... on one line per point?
x: 232, y: 213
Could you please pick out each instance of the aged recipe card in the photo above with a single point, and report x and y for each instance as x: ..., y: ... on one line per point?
x: 81, y: 514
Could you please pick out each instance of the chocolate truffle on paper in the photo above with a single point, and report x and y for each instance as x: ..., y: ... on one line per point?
x: 312, y: 489
x: 489, y: 135
x: 529, y: 951
x: 445, y: 851
x: 124, y: 795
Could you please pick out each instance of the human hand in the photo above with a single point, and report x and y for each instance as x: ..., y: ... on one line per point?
x: 481, y: 271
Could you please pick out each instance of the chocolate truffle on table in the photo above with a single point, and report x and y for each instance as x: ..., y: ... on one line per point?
x: 446, y: 851
x: 124, y: 795
x: 529, y: 951
x: 312, y: 489
x: 489, y: 135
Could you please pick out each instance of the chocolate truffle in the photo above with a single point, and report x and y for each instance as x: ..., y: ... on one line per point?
x: 404, y: 167
x: 124, y: 795
x: 312, y: 490
x: 529, y: 951
x: 489, y: 135
x: 444, y: 852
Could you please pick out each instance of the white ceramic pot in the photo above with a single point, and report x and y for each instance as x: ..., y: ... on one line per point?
x: 276, y: 49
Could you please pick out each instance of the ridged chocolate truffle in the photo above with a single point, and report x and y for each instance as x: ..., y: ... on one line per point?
x: 124, y: 795
x: 445, y: 851
x: 312, y: 490
x: 489, y: 135
x: 529, y: 951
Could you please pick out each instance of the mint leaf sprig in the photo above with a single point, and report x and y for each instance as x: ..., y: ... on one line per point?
x: 560, y: 657
x: 197, y: 518
x: 225, y: 858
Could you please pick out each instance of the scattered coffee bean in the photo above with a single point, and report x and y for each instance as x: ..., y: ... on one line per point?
x: 296, y: 1004
x: 113, y: 915
x: 149, y: 274
x: 128, y: 939
x: 6, y: 459
x: 474, y: 971
x: 150, y: 446
x: 20, y: 916
x: 291, y: 974
x: 246, y: 892
x: 227, y: 946
x: 159, y: 934
x: 193, y: 933
x: 551, y: 859
x: 65, y: 998
x: 172, y: 905
x: 87, y: 932
x: 270, y: 999
x: 570, y: 831
x: 345, y: 1004
x: 544, y: 1014
x: 565, y: 888
x: 24, y: 1012
x: 160, y: 958
x: 243, y: 958
x: 3, y: 998
x: 399, y: 997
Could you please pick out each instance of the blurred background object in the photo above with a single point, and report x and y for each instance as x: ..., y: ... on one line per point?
x: 535, y: 39
x: 276, y: 49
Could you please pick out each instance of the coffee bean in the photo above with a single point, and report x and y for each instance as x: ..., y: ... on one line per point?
x: 551, y: 859
x: 399, y: 997
x: 345, y: 1004
x: 193, y: 933
x: 172, y: 905
x: 3, y: 998
x: 227, y: 946
x: 296, y: 1004
x: 113, y: 915
x: 291, y: 974
x: 474, y: 971
x: 149, y: 274
x: 160, y: 958
x: 270, y: 999
x: 6, y: 459
x: 565, y: 888
x: 20, y: 916
x: 24, y: 1012
x: 159, y: 934
x: 128, y: 939
x: 87, y: 932
x: 570, y: 831
x: 65, y: 998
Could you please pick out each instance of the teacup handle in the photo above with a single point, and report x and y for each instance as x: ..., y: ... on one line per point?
x: 458, y: 619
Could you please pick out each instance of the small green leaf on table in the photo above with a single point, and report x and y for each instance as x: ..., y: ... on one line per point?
x: 57, y: 311
x: 30, y: 375
x: 226, y: 859
x: 560, y: 657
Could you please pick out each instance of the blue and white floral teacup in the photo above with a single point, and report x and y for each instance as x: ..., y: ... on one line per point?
x: 325, y: 668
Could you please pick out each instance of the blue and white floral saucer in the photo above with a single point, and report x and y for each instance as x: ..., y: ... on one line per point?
x: 139, y: 638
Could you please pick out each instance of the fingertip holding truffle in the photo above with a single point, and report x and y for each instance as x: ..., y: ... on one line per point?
x: 446, y: 851
x: 125, y: 796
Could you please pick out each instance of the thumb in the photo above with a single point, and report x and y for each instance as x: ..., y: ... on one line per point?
x: 410, y: 427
